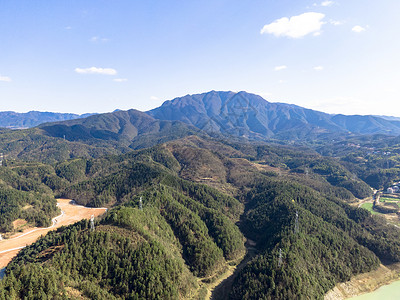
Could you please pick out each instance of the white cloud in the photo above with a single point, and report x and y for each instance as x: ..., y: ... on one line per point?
x: 154, y: 98
x: 390, y: 90
x: 280, y: 68
x: 324, y: 3
x: 95, y: 70
x: 120, y: 79
x: 96, y: 39
x: 318, y: 68
x: 327, y: 3
x: 5, y: 78
x: 295, y: 27
x: 336, y: 23
x: 358, y: 29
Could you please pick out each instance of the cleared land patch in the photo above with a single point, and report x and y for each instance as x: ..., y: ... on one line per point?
x: 71, y: 213
x: 368, y: 206
x: 19, y: 224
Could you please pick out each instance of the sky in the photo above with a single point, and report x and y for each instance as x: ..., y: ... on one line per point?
x: 85, y: 56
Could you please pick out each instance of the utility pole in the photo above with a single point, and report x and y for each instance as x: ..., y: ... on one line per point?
x: 140, y: 204
x: 296, y: 224
x: 280, y: 261
x: 92, y: 223
x: 1, y: 159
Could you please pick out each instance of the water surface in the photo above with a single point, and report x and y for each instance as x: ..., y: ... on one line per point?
x: 386, y: 292
x: 2, y: 273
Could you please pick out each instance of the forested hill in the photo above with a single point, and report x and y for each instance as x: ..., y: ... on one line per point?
x: 132, y: 128
x: 26, y: 193
x: 11, y: 119
x: 223, y: 115
x: 111, y: 133
x: 249, y: 115
x: 194, y: 191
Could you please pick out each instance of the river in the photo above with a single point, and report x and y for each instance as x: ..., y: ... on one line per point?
x: 386, y: 292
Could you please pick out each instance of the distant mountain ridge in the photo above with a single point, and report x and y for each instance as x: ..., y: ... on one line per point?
x: 249, y: 115
x: 131, y: 128
x: 14, y: 120
x: 221, y: 114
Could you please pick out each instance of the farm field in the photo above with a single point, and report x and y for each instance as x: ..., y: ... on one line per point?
x: 368, y: 206
x: 390, y: 200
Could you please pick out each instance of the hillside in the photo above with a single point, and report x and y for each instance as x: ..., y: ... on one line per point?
x: 11, y: 119
x: 375, y: 159
x: 223, y: 115
x: 25, y: 195
x: 248, y: 115
x: 194, y: 191
x: 131, y: 128
x: 202, y: 198
x: 94, y: 136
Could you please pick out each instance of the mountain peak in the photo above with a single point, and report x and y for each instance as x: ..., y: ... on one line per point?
x: 245, y: 114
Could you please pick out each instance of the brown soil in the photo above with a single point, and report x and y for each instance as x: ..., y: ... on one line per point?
x: 9, y: 248
x: 261, y: 167
x: 19, y: 223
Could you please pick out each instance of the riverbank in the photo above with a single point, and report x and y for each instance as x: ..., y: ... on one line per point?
x: 365, y: 283
x: 223, y: 287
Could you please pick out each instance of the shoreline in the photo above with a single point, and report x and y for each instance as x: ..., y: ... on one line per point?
x: 365, y: 283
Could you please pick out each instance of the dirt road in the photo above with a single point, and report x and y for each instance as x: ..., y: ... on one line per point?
x: 71, y: 213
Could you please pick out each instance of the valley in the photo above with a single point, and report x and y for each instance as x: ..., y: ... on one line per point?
x: 185, y: 204
x: 199, y: 150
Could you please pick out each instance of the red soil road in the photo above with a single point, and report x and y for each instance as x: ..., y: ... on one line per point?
x: 71, y: 213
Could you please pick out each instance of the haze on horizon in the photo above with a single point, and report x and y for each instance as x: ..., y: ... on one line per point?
x: 98, y: 56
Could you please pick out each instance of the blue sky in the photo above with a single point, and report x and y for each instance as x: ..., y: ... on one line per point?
x: 97, y: 55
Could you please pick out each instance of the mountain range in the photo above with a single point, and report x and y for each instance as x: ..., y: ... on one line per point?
x: 130, y: 128
x: 249, y: 115
x: 186, y: 185
x: 15, y: 120
x: 219, y: 114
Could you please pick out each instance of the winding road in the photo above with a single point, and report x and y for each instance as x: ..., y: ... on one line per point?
x: 70, y: 213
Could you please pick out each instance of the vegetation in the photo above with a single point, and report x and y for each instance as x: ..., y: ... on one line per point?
x: 369, y: 207
x: 24, y: 195
x: 334, y: 242
x: 374, y: 159
x: 110, y: 263
x: 194, y: 193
